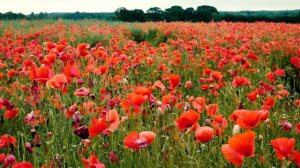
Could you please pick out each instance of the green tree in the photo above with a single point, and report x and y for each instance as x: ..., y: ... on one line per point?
x: 189, y: 14
x: 154, y: 14
x: 175, y: 13
x: 122, y: 14
x: 206, y: 13
x: 137, y: 15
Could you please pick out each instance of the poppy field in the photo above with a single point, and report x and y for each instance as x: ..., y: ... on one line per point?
x: 100, y: 94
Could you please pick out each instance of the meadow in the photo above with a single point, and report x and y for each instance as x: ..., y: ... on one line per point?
x: 100, y: 94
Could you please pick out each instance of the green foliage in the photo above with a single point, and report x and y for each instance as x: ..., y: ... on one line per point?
x: 11, y: 16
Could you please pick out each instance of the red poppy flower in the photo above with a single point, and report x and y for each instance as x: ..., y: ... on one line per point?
x: 252, y: 96
x: 143, y: 91
x: 270, y: 102
x: 232, y: 156
x: 11, y: 73
x: 298, y: 128
x: 270, y: 77
x: 160, y: 85
x: 187, y: 119
x: 204, y: 134
x: 296, y: 157
x: 174, y: 80
x: 43, y: 74
x: 50, y: 58
x: 92, y: 162
x: 135, y: 140
x: 11, y: 114
x: 295, y: 61
x: 239, y: 81
x: 279, y: 72
x: 6, y: 103
x: 22, y: 165
x: 82, y: 92
x: 219, y: 123
x: 69, y: 112
x: 212, y: 109
x: 136, y: 99
x: 6, y: 141
x: 283, y: 147
x: 246, y: 118
x: 98, y: 126
x: 297, y: 103
x: 169, y: 99
x: 57, y: 81
x: 216, y: 75
x: 114, y: 120
x: 243, y: 143
x: 71, y: 71
x: 199, y: 104
x: 101, y: 70
x: 238, y: 147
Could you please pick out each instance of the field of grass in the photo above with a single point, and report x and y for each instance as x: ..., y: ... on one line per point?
x: 110, y: 94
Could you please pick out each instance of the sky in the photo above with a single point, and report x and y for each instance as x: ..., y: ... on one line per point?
x: 36, y: 6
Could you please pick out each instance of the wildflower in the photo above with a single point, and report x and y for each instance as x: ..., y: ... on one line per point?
x: 204, y: 134
x: 238, y: 147
x: 283, y: 147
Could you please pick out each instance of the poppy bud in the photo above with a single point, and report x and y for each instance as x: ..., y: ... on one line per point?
x: 82, y: 132
x: 58, y: 160
x: 7, y: 104
x: 207, y: 122
x: 91, y: 83
x: 241, y: 106
x: 76, y: 117
x: 243, y: 61
x: 158, y: 103
x: 86, y: 142
x: 105, y: 145
x: 49, y: 134
x: 28, y: 147
x: 286, y: 125
x: 113, y: 157
x: 92, y: 96
x: 187, y: 106
x: 236, y: 129
x: 80, y: 81
x: 167, y: 107
x: 33, y: 132
x: 152, y: 104
x: 9, y: 160
x: 160, y: 111
x: 111, y: 103
x: 124, y: 81
x: 37, y: 140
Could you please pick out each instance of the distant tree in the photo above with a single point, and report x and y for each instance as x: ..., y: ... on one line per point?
x: 137, y: 15
x: 154, y: 14
x: 42, y: 15
x: 122, y: 14
x: 175, y: 13
x: 205, y: 13
x: 9, y: 16
x: 31, y: 16
x: 189, y: 14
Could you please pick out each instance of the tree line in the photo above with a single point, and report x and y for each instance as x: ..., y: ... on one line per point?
x: 205, y: 14
x: 175, y: 13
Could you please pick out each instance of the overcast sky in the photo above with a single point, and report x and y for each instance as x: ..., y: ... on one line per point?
x: 28, y: 6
